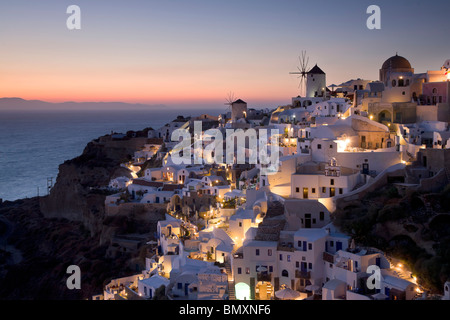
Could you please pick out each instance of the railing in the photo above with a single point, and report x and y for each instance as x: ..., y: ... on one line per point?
x: 303, y: 274
x: 238, y: 255
x: 264, y: 276
x: 285, y: 247
x: 328, y: 257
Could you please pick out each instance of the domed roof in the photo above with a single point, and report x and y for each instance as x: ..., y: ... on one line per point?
x: 396, y: 62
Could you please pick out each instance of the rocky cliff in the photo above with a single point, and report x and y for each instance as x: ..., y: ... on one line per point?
x: 41, y: 237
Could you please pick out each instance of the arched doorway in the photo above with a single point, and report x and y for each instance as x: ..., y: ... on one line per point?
x: 264, y: 290
x: 242, y: 291
x: 384, y: 116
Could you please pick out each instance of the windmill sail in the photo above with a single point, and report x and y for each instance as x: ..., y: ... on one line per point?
x: 302, y: 72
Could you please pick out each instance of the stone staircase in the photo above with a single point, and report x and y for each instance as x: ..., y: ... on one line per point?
x: 231, y: 290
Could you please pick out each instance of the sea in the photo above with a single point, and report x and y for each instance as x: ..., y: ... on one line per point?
x: 34, y: 143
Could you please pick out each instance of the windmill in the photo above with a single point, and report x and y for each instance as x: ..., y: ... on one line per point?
x: 230, y: 99
x: 302, y: 72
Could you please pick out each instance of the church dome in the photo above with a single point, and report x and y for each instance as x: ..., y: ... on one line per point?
x: 396, y: 62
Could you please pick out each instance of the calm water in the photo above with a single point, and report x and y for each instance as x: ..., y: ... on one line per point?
x: 33, y: 144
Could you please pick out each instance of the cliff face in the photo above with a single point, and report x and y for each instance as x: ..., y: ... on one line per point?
x: 73, y: 197
x: 41, y: 237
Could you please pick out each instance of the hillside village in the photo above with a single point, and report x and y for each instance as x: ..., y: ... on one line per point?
x: 231, y: 232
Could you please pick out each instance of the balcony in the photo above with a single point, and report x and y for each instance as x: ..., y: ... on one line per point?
x: 283, y: 246
x: 328, y: 257
x: 238, y: 255
x: 264, y: 276
x: 303, y: 274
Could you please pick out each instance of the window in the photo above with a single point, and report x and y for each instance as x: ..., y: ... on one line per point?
x: 313, y: 190
x: 332, y: 182
x: 180, y: 285
x: 281, y: 257
x: 269, y: 252
x: 319, y: 146
x: 270, y: 268
x: 297, y: 264
x: 309, y: 246
x: 394, y: 83
x: 314, y: 221
x: 299, y: 243
x: 284, y: 273
x: 322, y: 216
x: 310, y: 266
x: 324, y: 189
x: 288, y: 258
x: 297, y: 190
x: 341, y: 190
x: 240, y: 224
x: 247, y: 270
x: 331, y: 146
x: 257, y: 252
x: 239, y: 272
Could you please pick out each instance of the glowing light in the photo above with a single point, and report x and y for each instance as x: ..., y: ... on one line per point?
x: 371, y: 117
x: 242, y: 291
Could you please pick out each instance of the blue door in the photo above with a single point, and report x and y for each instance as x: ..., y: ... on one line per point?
x: 304, y: 245
x: 338, y: 245
x: 378, y: 262
x: 186, y: 289
x: 304, y: 266
x: 387, y: 291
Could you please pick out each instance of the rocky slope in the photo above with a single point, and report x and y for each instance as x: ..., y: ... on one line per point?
x: 414, y: 227
x: 70, y: 227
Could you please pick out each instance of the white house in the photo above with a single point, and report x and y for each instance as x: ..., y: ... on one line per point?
x: 147, y: 287
x: 212, y: 284
x: 321, y: 180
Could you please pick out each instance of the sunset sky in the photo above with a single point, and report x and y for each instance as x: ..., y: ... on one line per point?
x: 188, y: 52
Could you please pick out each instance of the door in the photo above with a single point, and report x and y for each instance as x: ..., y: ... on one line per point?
x: 332, y: 192
x: 308, y: 220
x: 338, y: 245
x: 304, y: 267
x: 387, y: 291
x: 186, y: 285
x: 304, y: 245
x: 365, y: 168
x: 305, y: 193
